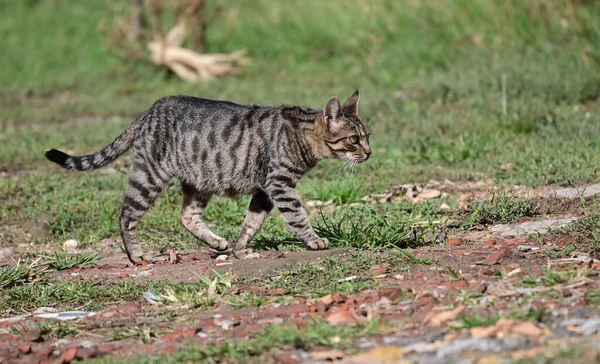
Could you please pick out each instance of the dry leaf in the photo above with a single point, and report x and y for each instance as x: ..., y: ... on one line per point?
x: 381, y: 355
x: 440, y: 318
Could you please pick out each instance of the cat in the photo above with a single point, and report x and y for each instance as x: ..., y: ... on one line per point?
x: 222, y: 148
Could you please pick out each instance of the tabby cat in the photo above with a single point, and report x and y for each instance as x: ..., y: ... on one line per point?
x: 221, y: 148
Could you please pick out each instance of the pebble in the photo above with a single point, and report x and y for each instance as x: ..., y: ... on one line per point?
x: 526, y: 248
x: 226, y: 324
x: 430, y: 194
x: 590, y: 327
x: 6, y: 253
x: 87, y: 344
x: 221, y: 258
x: 70, y: 246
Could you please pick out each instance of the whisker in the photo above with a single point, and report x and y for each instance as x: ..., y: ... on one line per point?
x: 369, y: 124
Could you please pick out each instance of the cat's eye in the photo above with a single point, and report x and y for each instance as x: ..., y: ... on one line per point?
x: 353, y: 139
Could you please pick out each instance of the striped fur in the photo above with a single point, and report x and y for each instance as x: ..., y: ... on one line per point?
x: 221, y: 148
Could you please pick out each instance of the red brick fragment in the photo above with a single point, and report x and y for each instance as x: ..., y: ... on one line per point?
x: 455, y: 241
x: 338, y: 297
x: 24, y: 348
x: 287, y: 359
x: 497, y: 256
x: 68, y: 355
x: 341, y: 317
x: 392, y: 293
x: 178, y: 335
x: 327, y: 299
x: 458, y: 284
x: 271, y: 254
x: 419, y: 275
x: 318, y: 307
x: 123, y: 275
x: 281, y: 311
x: 170, y: 349
x: 85, y: 353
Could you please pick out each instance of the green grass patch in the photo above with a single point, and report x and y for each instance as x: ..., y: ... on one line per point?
x: 276, y: 337
x: 62, y: 261
x: 502, y: 208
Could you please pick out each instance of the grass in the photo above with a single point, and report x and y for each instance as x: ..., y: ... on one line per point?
x: 276, y: 337
x: 62, y: 261
x: 89, y: 295
x: 502, y: 208
x: 505, y: 91
x: 309, y: 279
x: 19, y: 273
x: 431, y: 81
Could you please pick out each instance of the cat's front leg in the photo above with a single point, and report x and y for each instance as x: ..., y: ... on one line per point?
x: 288, y: 202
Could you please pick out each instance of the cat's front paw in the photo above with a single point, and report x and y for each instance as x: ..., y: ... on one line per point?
x: 318, y: 244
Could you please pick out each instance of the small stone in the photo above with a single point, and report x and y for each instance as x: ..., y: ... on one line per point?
x: 87, y: 344
x: 429, y: 194
x: 221, y: 258
x: 32, y: 336
x: 226, y: 324
x: 123, y: 275
x: 6, y: 253
x: 526, y: 248
x: 444, y: 207
x: 70, y: 246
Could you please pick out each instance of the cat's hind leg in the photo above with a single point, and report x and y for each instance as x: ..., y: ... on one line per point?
x: 194, y: 203
x: 145, y: 184
x: 259, y: 208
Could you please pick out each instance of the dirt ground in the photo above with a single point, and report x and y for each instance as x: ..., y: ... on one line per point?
x: 426, y: 312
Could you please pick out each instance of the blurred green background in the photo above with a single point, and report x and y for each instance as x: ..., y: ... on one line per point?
x: 430, y: 75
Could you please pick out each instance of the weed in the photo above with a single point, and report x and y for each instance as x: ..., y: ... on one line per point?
x: 144, y: 333
x: 454, y: 275
x: 503, y: 208
x: 62, y: 261
x: 474, y: 320
x: 348, y: 233
x: 404, y: 255
x: 19, y: 273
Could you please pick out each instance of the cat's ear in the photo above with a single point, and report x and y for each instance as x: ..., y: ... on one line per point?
x: 332, y: 109
x: 350, y: 107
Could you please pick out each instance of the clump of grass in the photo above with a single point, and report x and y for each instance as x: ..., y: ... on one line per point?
x: 349, y: 233
x: 475, y: 320
x: 503, y: 208
x: 62, y: 261
x: 20, y: 273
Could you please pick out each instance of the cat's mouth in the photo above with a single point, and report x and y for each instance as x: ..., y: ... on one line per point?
x: 356, y: 159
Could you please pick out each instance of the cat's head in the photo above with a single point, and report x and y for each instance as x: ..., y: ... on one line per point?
x: 342, y: 132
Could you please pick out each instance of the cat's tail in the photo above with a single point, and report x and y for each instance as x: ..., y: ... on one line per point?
x: 101, y: 158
